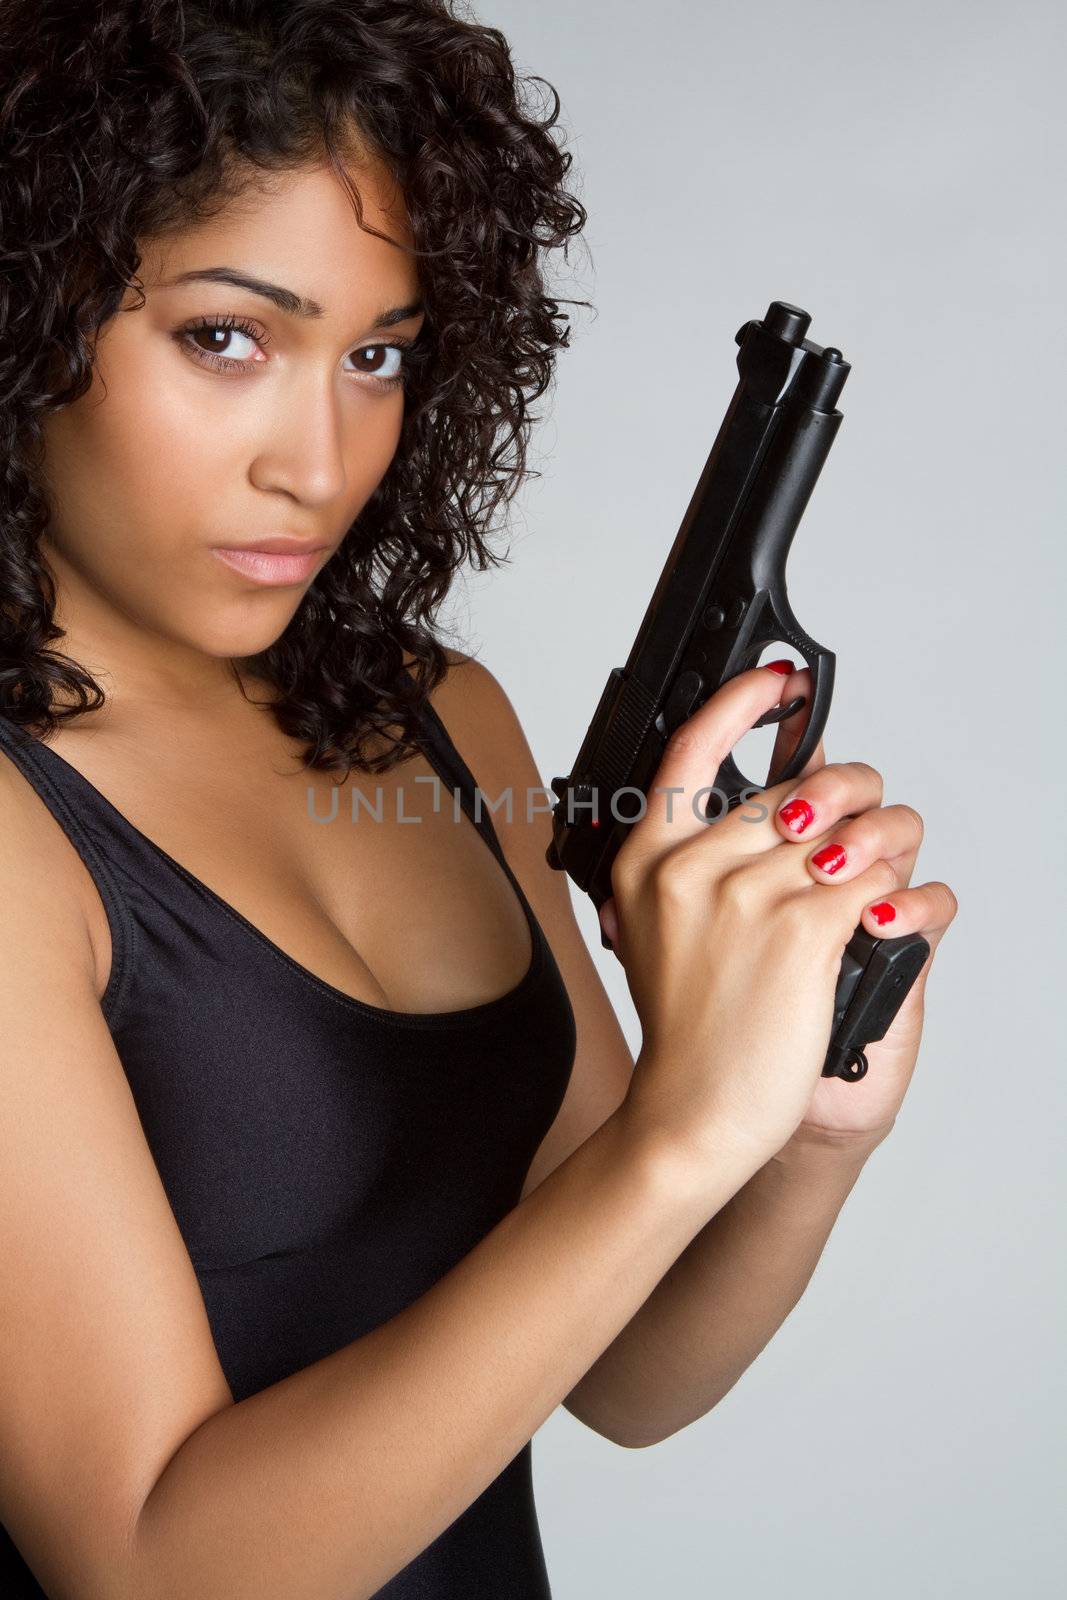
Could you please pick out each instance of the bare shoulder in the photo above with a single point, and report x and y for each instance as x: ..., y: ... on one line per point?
x: 478, y: 713
x: 487, y: 731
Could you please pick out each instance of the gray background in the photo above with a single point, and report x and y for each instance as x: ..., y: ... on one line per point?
x: 897, y: 171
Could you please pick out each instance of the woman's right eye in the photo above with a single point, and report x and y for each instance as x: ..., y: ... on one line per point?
x: 219, y: 334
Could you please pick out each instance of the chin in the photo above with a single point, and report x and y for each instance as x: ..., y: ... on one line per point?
x: 239, y: 644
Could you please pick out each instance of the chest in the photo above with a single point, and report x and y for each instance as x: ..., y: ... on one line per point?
x: 379, y: 885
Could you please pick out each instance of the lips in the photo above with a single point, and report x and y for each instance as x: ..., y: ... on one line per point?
x: 270, y: 565
x: 279, y: 544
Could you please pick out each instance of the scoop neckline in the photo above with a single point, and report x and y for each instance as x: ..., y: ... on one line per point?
x: 412, y: 1019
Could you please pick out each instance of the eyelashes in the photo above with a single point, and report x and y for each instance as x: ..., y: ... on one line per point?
x: 229, y: 325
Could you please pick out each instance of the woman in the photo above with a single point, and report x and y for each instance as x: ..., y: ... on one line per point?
x: 327, y: 1173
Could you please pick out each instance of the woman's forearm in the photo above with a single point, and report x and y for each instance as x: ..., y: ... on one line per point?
x: 723, y: 1298
x: 326, y: 1484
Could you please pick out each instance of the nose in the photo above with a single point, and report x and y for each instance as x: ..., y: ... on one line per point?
x: 304, y: 454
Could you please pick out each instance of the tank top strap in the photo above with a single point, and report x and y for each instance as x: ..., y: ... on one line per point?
x: 72, y: 802
x: 441, y: 752
x: 437, y: 745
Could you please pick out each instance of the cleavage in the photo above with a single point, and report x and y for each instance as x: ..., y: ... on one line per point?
x: 415, y: 916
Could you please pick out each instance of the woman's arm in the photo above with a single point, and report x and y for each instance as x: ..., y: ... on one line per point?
x: 127, y: 1472
x: 723, y: 1299
x: 327, y: 1483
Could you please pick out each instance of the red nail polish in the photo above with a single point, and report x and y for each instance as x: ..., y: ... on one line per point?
x: 796, y: 814
x: 784, y: 667
x: 831, y: 858
x: 883, y: 912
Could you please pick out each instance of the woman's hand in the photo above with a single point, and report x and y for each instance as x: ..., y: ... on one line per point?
x: 844, y: 835
x: 863, y: 1112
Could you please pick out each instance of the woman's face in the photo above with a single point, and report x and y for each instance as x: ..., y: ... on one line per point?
x: 282, y: 423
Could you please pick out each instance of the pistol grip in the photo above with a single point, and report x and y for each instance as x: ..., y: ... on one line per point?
x: 875, y: 976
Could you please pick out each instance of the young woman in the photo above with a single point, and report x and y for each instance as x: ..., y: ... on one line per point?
x: 326, y: 1172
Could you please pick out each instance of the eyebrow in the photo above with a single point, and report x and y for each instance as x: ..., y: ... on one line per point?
x: 294, y: 305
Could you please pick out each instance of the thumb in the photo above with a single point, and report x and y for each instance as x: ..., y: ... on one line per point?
x: 609, y: 922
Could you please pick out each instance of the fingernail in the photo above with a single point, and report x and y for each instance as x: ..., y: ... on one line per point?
x: 784, y: 667
x: 831, y: 858
x: 796, y: 814
x: 883, y: 912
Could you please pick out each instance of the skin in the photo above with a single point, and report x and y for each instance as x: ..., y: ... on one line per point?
x: 166, y: 456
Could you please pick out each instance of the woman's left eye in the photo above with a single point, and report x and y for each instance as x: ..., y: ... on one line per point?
x: 221, y: 330
x: 394, y: 374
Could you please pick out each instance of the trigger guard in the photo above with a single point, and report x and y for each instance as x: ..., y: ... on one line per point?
x: 731, y: 781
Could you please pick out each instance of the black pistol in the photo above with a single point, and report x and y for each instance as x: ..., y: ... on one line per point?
x: 720, y: 600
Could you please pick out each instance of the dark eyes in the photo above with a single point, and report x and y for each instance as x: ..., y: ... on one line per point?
x: 217, y: 334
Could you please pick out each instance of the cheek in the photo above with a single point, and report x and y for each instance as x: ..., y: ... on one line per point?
x: 127, y: 466
x: 373, y: 443
x: 170, y: 450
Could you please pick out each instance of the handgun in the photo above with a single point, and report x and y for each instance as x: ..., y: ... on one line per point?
x: 720, y: 600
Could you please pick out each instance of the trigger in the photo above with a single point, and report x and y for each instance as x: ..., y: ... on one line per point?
x: 779, y: 713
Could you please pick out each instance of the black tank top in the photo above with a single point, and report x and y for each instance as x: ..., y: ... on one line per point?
x: 326, y: 1160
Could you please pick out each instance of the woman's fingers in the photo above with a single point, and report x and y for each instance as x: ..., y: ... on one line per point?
x: 809, y: 806
x: 928, y: 908
x: 792, y: 729
x: 889, y: 832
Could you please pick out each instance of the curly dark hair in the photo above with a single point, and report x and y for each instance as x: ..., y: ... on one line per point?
x: 122, y: 119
